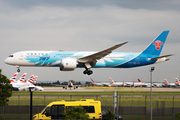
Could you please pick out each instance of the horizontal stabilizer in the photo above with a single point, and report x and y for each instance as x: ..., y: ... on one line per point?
x: 161, y: 57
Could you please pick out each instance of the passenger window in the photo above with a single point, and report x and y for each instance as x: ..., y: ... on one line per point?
x: 47, y: 112
x: 89, y: 109
x: 57, y: 112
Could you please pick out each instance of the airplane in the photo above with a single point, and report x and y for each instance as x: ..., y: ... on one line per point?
x: 140, y: 84
x: 21, y: 85
x: 157, y: 85
x: 70, y: 60
x: 13, y: 78
x: 95, y: 83
x: 25, y: 86
x: 135, y: 84
x: 167, y: 84
x: 118, y: 84
x: 70, y: 85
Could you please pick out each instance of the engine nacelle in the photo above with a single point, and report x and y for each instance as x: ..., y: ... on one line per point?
x: 68, y: 64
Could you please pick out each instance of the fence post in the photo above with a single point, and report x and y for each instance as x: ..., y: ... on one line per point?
x: 145, y: 106
x: 44, y: 100
x: 132, y: 108
x: 120, y: 104
x: 173, y: 108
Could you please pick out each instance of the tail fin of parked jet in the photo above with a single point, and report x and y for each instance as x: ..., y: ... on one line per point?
x: 139, y: 80
x: 112, y: 81
x: 22, y: 78
x: 13, y: 78
x: 166, y: 82
x: 156, y: 45
x: 177, y: 80
x: 30, y: 80
x: 92, y: 81
x: 35, y: 80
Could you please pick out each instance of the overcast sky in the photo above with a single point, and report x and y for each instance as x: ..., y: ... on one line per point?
x: 90, y: 25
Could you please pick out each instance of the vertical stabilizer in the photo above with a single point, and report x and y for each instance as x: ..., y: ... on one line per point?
x: 156, y: 45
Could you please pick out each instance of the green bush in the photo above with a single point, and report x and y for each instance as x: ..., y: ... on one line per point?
x: 76, y: 112
x: 111, y: 115
x: 178, y: 116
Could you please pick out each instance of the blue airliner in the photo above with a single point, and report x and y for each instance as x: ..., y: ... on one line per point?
x: 70, y: 60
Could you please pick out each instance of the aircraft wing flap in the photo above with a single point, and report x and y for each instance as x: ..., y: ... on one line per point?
x: 99, y: 55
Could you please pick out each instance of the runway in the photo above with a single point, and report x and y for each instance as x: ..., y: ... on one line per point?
x: 105, y: 89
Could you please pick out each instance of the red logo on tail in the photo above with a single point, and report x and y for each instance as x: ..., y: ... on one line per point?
x: 158, y: 44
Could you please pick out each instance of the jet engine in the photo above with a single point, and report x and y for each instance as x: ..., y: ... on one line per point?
x: 68, y: 64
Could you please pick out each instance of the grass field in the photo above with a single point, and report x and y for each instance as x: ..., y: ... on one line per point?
x: 97, y: 93
x: 108, y: 101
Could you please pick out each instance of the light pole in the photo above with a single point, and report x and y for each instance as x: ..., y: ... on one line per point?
x: 151, y: 70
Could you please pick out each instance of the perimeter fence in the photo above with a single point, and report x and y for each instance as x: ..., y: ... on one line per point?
x: 130, y: 107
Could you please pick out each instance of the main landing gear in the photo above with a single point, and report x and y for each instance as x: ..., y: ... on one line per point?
x: 88, y: 72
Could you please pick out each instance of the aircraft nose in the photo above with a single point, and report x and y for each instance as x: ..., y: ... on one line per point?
x: 6, y: 61
x: 9, y: 61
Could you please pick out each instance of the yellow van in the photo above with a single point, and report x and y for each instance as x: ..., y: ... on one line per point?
x: 56, y: 109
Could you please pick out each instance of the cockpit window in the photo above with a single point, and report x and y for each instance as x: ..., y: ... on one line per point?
x: 11, y: 56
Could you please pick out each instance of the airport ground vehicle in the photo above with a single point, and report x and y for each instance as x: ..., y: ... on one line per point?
x: 56, y: 109
x: 105, y: 114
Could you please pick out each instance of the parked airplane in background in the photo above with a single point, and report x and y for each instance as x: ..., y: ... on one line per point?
x: 140, y: 84
x: 25, y: 86
x: 95, y: 83
x: 156, y: 85
x: 116, y: 84
x: 21, y: 85
x: 135, y: 84
x: 70, y: 60
x: 70, y: 85
x: 167, y: 84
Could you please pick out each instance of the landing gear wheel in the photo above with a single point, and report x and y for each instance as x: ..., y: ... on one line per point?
x: 85, y: 72
x: 18, y: 70
x: 88, y: 72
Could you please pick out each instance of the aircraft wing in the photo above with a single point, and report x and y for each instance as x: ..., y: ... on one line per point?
x: 96, y: 56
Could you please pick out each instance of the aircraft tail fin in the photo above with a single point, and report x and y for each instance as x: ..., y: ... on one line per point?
x: 35, y: 80
x: 93, y: 82
x: 139, y: 80
x: 156, y: 46
x: 166, y: 82
x: 111, y: 80
x: 13, y: 78
x: 30, y: 80
x: 177, y: 80
x: 22, y: 78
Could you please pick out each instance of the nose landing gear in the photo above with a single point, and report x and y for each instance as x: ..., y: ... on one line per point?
x: 18, y: 68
